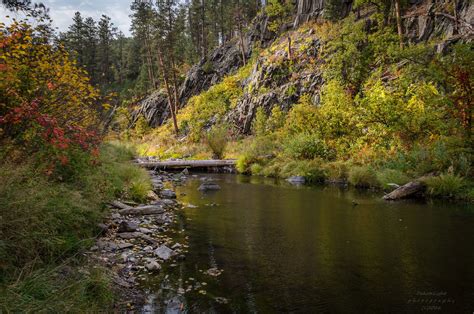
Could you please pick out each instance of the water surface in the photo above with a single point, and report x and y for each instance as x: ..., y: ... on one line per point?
x: 319, y: 250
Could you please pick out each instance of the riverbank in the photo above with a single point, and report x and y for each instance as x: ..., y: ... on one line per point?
x: 262, y: 156
x: 48, y: 223
x: 137, y: 239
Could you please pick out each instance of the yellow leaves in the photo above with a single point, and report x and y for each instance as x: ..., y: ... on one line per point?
x: 31, y: 70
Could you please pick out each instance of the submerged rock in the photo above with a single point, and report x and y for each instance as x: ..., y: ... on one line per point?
x: 209, y: 186
x: 164, y: 252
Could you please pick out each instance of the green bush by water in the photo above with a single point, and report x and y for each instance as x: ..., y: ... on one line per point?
x: 446, y: 185
x: 363, y: 177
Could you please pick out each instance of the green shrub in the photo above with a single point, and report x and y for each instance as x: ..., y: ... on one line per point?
x: 217, y: 140
x: 337, y: 171
x: 256, y: 169
x: 390, y: 176
x: 208, y: 67
x: 259, y: 124
x: 312, y: 170
x: 445, y: 185
x: 363, y: 177
x: 307, y: 146
x: 242, y: 164
x: 259, y: 149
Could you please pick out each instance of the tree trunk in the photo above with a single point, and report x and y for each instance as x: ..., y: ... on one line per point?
x: 408, y: 190
x: 151, y: 73
x: 238, y: 17
x: 290, y: 55
x: 168, y: 91
x: 203, y: 29
x: 398, y: 15
x: 456, y: 18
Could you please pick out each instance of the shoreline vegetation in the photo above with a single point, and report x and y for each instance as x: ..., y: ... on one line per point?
x: 47, y: 226
x: 380, y: 119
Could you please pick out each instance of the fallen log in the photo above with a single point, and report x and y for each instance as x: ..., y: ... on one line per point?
x: 174, y: 164
x: 410, y: 189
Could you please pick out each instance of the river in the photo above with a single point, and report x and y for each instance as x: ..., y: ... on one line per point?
x: 282, y: 248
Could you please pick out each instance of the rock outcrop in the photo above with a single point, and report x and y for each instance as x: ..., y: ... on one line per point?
x: 425, y: 20
x: 277, y: 83
x: 280, y: 82
x: 223, y: 60
x: 310, y: 10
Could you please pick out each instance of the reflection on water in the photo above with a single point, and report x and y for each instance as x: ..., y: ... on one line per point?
x: 321, y: 249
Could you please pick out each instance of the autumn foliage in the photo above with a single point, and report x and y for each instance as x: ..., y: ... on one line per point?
x: 47, y: 105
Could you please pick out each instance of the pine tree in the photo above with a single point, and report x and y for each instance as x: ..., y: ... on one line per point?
x: 106, y: 32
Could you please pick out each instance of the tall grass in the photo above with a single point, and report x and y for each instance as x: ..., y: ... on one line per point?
x: 45, y: 223
x: 446, y: 185
x: 217, y: 140
x: 363, y: 177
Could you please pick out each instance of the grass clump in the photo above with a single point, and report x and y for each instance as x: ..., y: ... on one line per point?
x: 256, y: 169
x: 387, y: 177
x: 337, y: 171
x: 307, y: 146
x: 217, y: 141
x: 312, y: 170
x: 363, y: 177
x: 446, y: 185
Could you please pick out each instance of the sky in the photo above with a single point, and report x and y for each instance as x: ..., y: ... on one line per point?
x: 62, y: 12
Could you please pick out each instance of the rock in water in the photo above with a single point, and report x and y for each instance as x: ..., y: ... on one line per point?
x: 296, y: 180
x: 164, y: 252
x: 209, y: 186
x: 127, y: 226
x: 168, y: 194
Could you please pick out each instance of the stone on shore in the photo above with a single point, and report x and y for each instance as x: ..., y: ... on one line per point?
x: 152, y: 265
x: 127, y: 226
x: 168, y: 194
x: 164, y: 252
x: 143, y: 210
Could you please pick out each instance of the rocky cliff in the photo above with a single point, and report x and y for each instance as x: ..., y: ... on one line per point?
x: 269, y: 84
x: 222, y: 61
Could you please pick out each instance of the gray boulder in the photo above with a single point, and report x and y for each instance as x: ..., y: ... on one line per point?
x: 209, y: 186
x: 143, y: 210
x: 296, y: 180
x: 164, y: 252
x: 127, y: 226
x: 168, y: 194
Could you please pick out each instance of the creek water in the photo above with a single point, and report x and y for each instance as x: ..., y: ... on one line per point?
x: 283, y: 248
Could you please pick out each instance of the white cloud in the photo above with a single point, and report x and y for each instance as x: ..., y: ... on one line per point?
x: 62, y: 12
